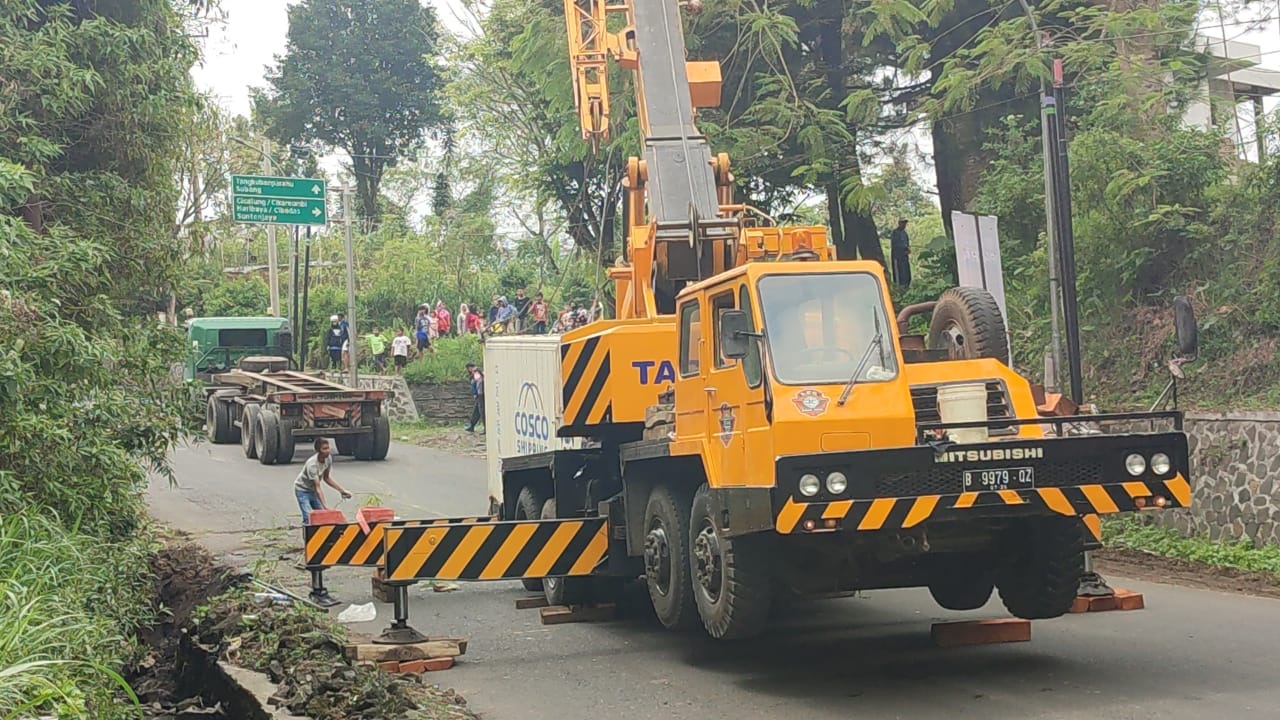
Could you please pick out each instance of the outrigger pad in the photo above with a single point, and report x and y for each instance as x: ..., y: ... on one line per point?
x: 402, y: 635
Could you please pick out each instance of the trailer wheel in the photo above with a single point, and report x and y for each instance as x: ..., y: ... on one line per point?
x: 284, y: 453
x: 381, y: 437
x: 248, y: 437
x: 732, y: 583
x: 529, y: 507
x: 1041, y: 582
x: 967, y: 324
x: 217, y: 421
x: 345, y: 446
x: 364, y: 445
x: 267, y: 433
x: 666, y: 558
x: 562, y: 590
x: 959, y: 586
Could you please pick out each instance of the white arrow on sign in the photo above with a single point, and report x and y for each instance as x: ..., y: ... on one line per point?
x: 315, y: 189
x: 315, y: 211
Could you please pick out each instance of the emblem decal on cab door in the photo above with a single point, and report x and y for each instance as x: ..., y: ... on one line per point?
x: 811, y: 402
x: 727, y: 422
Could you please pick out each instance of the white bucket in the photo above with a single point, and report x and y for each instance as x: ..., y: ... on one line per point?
x: 964, y: 403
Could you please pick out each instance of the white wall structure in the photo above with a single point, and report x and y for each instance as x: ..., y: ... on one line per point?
x: 1232, y: 93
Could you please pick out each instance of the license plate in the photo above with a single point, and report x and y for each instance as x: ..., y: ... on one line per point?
x: 1018, y: 478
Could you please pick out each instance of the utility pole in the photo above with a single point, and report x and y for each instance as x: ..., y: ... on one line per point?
x: 347, y: 217
x: 1066, y: 235
x: 301, y: 341
x: 273, y: 274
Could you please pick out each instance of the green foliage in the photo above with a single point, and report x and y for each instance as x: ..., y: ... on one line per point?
x: 67, y: 603
x: 447, y: 363
x: 240, y: 297
x: 359, y: 75
x: 1129, y: 531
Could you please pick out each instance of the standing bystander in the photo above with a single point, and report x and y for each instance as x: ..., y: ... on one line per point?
x: 477, y: 394
x: 521, y: 305
x: 400, y: 351
x: 900, y: 253
x: 538, y: 315
x: 335, y: 338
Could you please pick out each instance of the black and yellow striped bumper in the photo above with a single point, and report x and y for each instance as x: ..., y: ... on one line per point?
x: 903, y: 487
x: 908, y: 512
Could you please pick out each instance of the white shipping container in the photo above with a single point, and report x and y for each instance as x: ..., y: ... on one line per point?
x: 523, y: 404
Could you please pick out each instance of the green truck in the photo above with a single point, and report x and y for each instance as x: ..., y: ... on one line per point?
x: 217, y: 344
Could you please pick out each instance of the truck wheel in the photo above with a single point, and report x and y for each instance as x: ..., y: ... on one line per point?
x: 666, y: 559
x: 562, y: 591
x: 959, y: 587
x: 345, y: 446
x: 529, y: 507
x: 217, y: 421
x: 364, y: 445
x: 285, y: 450
x: 732, y: 585
x: 248, y: 437
x: 381, y: 437
x: 1041, y: 582
x: 267, y: 433
x: 967, y: 324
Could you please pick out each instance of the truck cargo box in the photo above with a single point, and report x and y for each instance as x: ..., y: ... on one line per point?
x: 523, y: 407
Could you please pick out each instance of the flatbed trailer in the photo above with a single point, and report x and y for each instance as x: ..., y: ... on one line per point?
x: 268, y: 410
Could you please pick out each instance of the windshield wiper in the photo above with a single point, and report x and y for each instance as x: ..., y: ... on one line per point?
x: 862, y: 364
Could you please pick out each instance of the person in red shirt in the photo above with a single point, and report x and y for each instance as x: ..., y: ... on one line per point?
x: 475, y: 323
x: 538, y: 315
x: 443, y: 320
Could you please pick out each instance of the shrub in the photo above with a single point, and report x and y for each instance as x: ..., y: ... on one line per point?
x: 448, y: 362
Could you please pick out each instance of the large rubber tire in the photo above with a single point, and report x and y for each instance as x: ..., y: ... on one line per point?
x: 566, y: 590
x: 249, y: 438
x: 267, y: 433
x: 381, y: 437
x: 217, y: 421
x: 345, y: 446
x: 731, y: 578
x: 1042, y: 580
x: 967, y: 324
x: 666, y: 556
x: 363, y: 445
x: 961, y: 586
x: 529, y: 507
x: 284, y: 453
x: 263, y: 363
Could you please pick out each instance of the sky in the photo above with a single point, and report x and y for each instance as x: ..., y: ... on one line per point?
x: 253, y: 32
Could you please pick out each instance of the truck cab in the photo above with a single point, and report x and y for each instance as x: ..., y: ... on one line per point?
x: 216, y: 344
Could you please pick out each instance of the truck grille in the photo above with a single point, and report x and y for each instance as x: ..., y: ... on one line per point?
x: 924, y: 398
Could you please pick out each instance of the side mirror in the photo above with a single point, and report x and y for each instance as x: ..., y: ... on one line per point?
x: 735, y: 334
x: 1184, y: 323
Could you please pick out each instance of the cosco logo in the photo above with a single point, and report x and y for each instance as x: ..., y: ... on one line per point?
x: 533, y: 426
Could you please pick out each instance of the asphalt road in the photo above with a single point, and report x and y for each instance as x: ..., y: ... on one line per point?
x: 1190, y: 654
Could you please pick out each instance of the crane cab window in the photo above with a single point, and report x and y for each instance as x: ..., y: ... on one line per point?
x: 719, y: 304
x: 690, y: 338
x: 820, y: 328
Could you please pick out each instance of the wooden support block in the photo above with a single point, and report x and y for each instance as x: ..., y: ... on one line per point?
x: 981, y: 632
x: 533, y: 601
x: 559, y: 614
x: 1130, y: 600
x: 1080, y: 605
x: 412, y: 651
x: 415, y: 666
x: 1103, y: 603
x: 434, y: 664
x: 389, y: 666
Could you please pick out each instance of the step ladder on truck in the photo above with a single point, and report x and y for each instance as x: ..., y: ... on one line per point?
x: 268, y: 408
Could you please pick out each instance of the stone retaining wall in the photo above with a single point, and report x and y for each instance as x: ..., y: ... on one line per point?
x: 1235, y: 465
x: 400, y: 407
x: 443, y: 403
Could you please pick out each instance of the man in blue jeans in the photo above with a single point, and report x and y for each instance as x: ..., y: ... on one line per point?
x: 307, y: 486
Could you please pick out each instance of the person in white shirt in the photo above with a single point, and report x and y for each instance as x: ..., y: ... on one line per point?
x: 318, y: 469
x: 400, y: 345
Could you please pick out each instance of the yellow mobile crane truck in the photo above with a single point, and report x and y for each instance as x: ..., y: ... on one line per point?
x: 756, y: 421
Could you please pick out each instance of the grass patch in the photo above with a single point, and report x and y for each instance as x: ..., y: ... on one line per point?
x: 1135, y: 534
x: 68, y: 604
x: 419, y: 432
x: 448, y: 362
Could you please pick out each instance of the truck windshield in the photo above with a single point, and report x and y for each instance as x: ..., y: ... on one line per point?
x: 818, y: 326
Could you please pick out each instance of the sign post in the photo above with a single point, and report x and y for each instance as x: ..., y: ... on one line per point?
x: 278, y: 200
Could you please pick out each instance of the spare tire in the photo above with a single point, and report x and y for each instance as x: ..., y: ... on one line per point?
x: 967, y: 324
x: 263, y: 363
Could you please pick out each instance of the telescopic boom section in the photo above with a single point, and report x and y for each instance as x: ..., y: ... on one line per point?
x: 675, y: 196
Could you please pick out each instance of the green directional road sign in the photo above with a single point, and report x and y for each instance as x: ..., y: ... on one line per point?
x: 279, y: 200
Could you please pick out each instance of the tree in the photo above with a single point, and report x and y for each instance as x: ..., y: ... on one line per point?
x: 359, y: 75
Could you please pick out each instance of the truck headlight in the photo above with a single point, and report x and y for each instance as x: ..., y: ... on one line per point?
x: 809, y: 485
x: 1160, y: 464
x: 1135, y: 464
x: 837, y: 483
